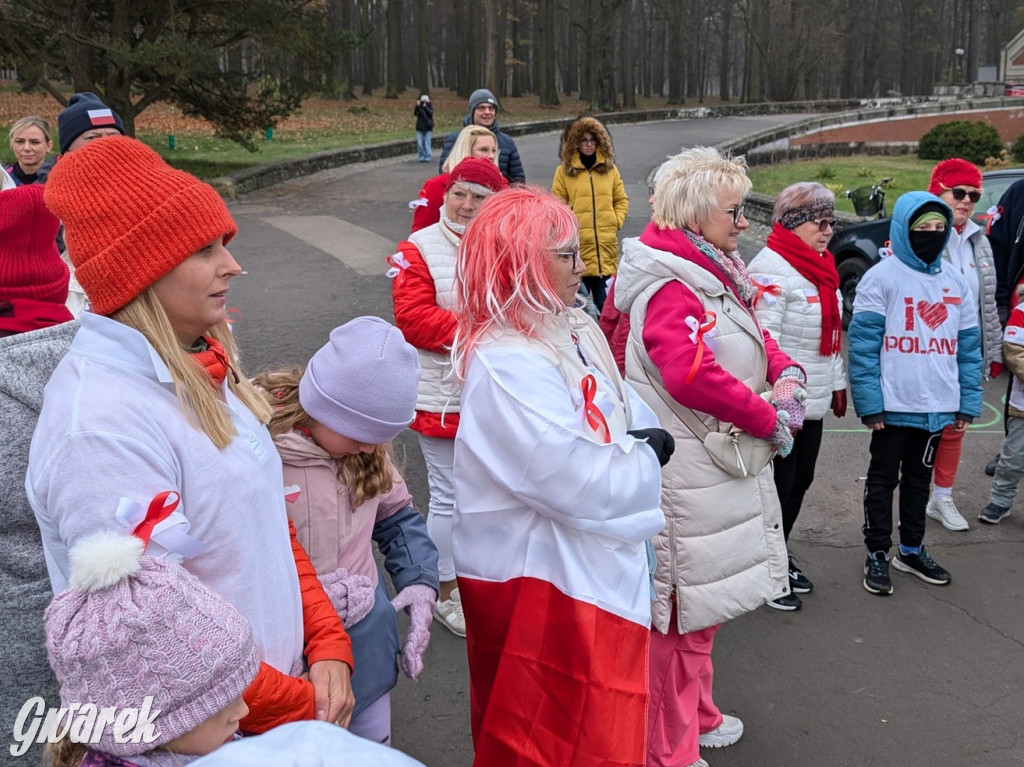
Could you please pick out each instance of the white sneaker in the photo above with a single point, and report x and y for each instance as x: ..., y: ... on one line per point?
x: 725, y: 734
x: 942, y: 508
x: 449, y: 613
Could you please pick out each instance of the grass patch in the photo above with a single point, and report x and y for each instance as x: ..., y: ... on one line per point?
x: 843, y: 173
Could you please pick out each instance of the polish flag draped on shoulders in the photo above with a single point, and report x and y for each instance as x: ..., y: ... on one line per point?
x: 553, y: 514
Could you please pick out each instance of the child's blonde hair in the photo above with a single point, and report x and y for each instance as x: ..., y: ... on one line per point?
x: 198, y: 398
x: 366, y: 475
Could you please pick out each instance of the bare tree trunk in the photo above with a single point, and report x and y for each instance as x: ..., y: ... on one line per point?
x: 626, y: 46
x: 602, y: 55
x: 423, y: 54
x: 396, y: 75
x: 463, y: 47
x: 367, y: 25
x: 725, y: 60
x: 544, y: 52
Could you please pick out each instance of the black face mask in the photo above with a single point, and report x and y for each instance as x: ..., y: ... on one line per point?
x: 927, y: 245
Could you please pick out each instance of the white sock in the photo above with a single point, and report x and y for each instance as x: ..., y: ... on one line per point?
x: 940, y: 491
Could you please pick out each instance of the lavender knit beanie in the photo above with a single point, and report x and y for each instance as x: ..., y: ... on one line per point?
x: 131, y: 626
x: 362, y: 384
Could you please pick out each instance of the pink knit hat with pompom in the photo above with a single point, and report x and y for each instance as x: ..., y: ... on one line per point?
x: 131, y: 626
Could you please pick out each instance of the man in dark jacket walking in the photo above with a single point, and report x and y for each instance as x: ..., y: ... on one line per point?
x: 483, y: 110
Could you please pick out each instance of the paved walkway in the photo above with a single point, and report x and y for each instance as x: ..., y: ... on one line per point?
x: 926, y: 678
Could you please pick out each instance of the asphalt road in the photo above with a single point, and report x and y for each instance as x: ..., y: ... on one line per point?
x: 931, y: 676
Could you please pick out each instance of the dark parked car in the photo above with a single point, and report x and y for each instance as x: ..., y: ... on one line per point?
x: 856, y: 247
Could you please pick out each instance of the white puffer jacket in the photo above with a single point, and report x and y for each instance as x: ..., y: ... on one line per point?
x: 439, y: 246
x: 793, y: 317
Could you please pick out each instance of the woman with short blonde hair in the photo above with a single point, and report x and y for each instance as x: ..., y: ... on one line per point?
x: 696, y: 354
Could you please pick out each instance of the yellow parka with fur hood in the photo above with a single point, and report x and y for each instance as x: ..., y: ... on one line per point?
x: 597, y: 196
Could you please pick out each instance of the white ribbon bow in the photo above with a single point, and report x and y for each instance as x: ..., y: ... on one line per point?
x: 419, y: 202
x: 708, y: 334
x: 170, y: 539
x: 398, y: 263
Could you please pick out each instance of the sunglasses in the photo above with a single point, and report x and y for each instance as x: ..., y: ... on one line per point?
x: 959, y: 193
x: 737, y: 213
x: 825, y: 223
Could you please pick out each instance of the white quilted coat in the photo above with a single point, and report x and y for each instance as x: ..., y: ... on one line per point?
x: 793, y: 318
x: 722, y: 553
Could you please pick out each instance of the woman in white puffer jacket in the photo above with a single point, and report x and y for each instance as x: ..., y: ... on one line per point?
x: 799, y: 305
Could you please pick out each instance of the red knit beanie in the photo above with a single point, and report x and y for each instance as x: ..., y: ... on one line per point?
x: 30, y: 265
x: 477, y: 170
x: 954, y: 172
x: 130, y: 218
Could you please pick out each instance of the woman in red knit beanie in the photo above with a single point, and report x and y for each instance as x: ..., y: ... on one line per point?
x: 151, y: 423
x: 35, y: 332
x: 958, y: 183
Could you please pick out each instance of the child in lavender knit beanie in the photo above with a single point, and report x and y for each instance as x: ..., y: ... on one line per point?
x: 131, y: 628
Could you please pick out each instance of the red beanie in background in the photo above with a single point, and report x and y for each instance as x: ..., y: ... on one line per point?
x: 954, y: 172
x: 477, y: 170
x: 130, y: 218
x: 30, y: 265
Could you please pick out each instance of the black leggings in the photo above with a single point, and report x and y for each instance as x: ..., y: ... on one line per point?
x: 795, y: 473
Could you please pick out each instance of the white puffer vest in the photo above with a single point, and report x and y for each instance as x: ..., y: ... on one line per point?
x: 722, y: 553
x: 439, y: 246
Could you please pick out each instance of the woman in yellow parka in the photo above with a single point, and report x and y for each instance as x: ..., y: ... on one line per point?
x: 590, y: 183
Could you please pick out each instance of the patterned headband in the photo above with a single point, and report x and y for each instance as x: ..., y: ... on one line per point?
x: 815, y: 211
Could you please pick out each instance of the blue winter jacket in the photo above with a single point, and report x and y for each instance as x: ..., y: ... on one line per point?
x: 867, y: 333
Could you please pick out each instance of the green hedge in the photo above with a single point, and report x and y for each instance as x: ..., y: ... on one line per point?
x: 973, y: 141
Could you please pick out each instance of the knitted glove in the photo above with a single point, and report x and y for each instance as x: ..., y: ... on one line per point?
x: 660, y: 441
x: 420, y: 601
x: 351, y: 595
x: 788, y: 395
x: 782, y: 437
x: 839, y: 403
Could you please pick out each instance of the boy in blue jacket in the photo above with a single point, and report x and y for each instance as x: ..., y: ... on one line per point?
x: 915, y: 368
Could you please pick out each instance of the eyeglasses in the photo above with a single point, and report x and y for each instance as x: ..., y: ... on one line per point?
x: 650, y: 191
x: 486, y: 108
x: 825, y: 223
x: 959, y: 193
x: 588, y: 140
x: 737, y: 212
x: 569, y: 256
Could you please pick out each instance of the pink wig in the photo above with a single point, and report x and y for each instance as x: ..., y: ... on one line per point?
x: 503, y: 271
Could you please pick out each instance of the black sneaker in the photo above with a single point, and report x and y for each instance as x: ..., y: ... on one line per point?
x: 990, y: 467
x: 922, y: 565
x: 994, y: 514
x: 798, y: 582
x: 876, y: 573
x: 787, y: 602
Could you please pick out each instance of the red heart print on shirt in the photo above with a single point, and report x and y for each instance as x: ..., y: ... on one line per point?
x: 933, y: 315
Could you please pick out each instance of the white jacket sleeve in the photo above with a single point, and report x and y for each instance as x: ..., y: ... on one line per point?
x: 519, y: 425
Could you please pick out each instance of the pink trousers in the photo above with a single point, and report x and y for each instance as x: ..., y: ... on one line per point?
x: 681, y: 706
x: 947, y: 457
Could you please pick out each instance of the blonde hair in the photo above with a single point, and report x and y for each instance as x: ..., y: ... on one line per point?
x: 197, y: 397
x: 63, y: 753
x: 689, y: 184
x: 463, y: 146
x: 32, y: 121
x: 366, y: 475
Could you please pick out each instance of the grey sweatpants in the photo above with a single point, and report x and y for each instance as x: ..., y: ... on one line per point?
x: 1010, y: 469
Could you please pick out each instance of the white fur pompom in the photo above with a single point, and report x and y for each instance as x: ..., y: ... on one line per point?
x: 103, y: 559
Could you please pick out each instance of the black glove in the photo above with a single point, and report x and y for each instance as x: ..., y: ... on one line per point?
x: 661, y: 442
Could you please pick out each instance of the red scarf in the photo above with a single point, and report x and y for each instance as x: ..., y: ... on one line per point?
x: 20, y: 315
x: 819, y: 270
x: 213, y: 360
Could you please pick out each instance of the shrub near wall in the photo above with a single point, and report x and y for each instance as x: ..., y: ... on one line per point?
x: 973, y: 141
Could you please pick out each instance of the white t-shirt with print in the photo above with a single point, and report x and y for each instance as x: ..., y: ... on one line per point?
x: 924, y: 314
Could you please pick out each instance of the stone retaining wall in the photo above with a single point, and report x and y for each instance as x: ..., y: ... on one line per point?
x: 268, y: 174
